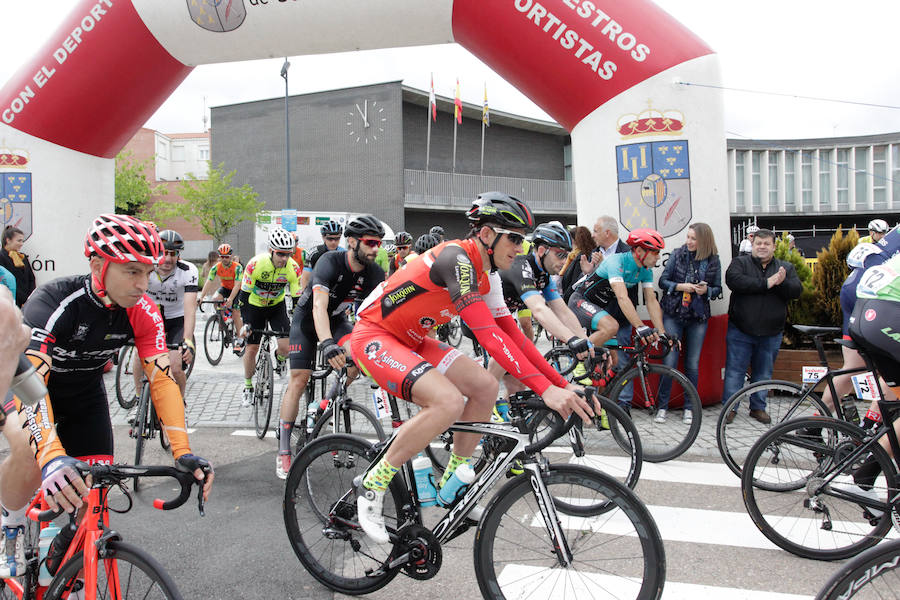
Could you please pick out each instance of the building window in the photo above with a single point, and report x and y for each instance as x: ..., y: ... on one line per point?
x: 756, y: 181
x: 204, y: 153
x: 879, y: 168
x: 790, y: 171
x: 567, y: 162
x: 843, y: 179
x: 178, y: 153
x: 806, y: 180
x: 895, y: 173
x: 162, y: 149
x: 862, y: 177
x: 739, y: 179
x: 825, y: 160
x: 773, y: 179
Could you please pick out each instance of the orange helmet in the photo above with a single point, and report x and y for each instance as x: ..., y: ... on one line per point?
x: 224, y: 250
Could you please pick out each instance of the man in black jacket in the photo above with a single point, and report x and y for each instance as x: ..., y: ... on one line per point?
x: 761, y: 286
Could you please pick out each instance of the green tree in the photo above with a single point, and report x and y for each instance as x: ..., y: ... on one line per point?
x: 829, y: 275
x: 802, y: 310
x: 133, y: 189
x: 213, y: 204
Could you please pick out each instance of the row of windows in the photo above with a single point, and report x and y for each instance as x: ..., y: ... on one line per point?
x: 178, y: 151
x: 837, y: 170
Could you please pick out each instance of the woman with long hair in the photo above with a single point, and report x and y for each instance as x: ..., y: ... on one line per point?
x: 16, y: 262
x: 693, y: 275
x: 582, y: 245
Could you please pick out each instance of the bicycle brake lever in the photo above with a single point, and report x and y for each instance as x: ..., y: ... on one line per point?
x: 200, y: 502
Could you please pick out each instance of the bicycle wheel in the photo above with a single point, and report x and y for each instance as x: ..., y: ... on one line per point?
x: 320, y: 515
x: 213, y: 340
x: 141, y: 428
x: 671, y: 438
x: 616, y: 451
x: 125, y: 390
x: 562, y: 359
x: 158, y: 426
x: 784, y: 400
x: 263, y: 392
x: 353, y: 418
x: 618, y: 550
x: 781, y: 482
x: 124, y: 571
x: 870, y: 576
x: 454, y: 332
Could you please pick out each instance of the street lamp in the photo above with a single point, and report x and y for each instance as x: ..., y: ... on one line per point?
x: 287, y: 132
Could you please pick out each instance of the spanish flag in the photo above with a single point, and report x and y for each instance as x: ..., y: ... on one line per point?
x: 432, y: 102
x: 457, y: 110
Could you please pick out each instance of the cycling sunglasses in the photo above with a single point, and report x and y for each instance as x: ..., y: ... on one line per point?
x: 371, y: 243
x: 559, y: 253
x: 516, y: 238
x: 332, y: 238
x: 171, y: 252
x: 282, y: 253
x: 402, y: 247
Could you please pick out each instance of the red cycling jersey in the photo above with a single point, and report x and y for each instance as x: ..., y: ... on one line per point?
x: 447, y: 280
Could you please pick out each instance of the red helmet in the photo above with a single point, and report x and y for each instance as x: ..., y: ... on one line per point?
x: 224, y: 250
x: 649, y: 239
x: 123, y: 239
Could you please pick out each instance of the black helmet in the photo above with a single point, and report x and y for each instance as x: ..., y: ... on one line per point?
x: 425, y: 243
x: 364, y: 225
x: 402, y: 238
x: 171, y: 240
x: 553, y: 234
x: 332, y: 228
x: 437, y: 230
x: 500, y: 209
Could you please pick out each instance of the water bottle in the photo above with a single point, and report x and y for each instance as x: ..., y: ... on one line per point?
x: 455, y: 486
x: 424, y: 484
x: 848, y: 404
x: 311, y: 415
x: 47, y: 535
x: 58, y: 548
x: 502, y: 406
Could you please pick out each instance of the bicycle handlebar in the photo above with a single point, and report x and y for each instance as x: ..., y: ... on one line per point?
x: 109, y: 475
x: 559, y: 428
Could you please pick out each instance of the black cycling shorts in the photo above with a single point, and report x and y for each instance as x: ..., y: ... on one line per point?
x: 304, y: 341
x: 224, y: 292
x: 81, y: 413
x: 258, y: 317
x: 589, y: 313
x: 174, y: 330
x: 874, y: 328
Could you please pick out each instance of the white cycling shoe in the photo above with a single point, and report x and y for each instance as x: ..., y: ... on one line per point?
x: 370, y: 512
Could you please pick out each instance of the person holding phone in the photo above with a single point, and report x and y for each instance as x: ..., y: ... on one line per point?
x: 686, y: 288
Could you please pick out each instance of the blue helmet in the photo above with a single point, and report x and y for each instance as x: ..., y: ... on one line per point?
x: 332, y: 228
x: 553, y: 234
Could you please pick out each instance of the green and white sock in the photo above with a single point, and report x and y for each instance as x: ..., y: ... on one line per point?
x: 248, y: 382
x: 380, y: 477
x: 454, y: 462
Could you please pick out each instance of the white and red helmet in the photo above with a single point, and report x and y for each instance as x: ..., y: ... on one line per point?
x: 123, y: 239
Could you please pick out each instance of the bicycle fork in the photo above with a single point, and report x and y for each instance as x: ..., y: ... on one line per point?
x: 548, y: 511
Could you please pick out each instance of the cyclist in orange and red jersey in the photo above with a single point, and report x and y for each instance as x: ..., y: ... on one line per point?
x: 390, y: 342
x: 78, y: 323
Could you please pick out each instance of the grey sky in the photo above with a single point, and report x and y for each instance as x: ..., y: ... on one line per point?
x: 820, y: 48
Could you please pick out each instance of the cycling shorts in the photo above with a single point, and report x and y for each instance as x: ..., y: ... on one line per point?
x: 174, y: 330
x: 304, y: 341
x: 392, y: 364
x: 874, y: 329
x: 848, y: 302
x: 589, y: 314
x: 257, y: 317
x: 224, y: 292
x: 81, y: 413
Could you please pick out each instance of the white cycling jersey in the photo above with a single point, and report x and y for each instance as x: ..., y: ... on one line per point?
x: 169, y: 292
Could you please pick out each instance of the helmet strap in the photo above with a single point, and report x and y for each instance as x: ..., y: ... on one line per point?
x: 490, y: 249
x: 100, y: 287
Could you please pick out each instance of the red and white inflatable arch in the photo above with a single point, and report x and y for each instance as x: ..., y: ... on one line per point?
x: 644, y: 148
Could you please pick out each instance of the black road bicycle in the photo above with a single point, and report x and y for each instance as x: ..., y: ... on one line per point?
x: 557, y: 529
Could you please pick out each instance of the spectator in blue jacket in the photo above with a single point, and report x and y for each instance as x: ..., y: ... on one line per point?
x: 692, y: 276
x: 8, y: 279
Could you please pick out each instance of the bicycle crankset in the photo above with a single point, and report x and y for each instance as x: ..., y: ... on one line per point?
x: 422, y: 550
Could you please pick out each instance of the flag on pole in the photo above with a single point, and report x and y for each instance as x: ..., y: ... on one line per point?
x: 485, y: 111
x: 432, y: 102
x: 457, y: 111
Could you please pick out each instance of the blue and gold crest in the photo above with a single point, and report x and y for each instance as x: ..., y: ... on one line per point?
x: 654, y: 186
x: 217, y: 15
x: 15, y: 201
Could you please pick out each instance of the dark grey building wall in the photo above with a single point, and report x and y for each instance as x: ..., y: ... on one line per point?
x: 336, y: 163
x: 455, y: 224
x: 508, y: 152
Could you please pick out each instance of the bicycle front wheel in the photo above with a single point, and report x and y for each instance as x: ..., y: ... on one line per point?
x: 125, y: 390
x: 617, y: 549
x: 454, y: 332
x: 351, y: 418
x: 263, y: 392
x: 785, y: 493
x: 870, y: 576
x: 124, y: 571
x: 662, y: 438
x: 141, y: 428
x: 783, y: 400
x: 213, y: 340
x: 562, y: 359
x: 320, y: 515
